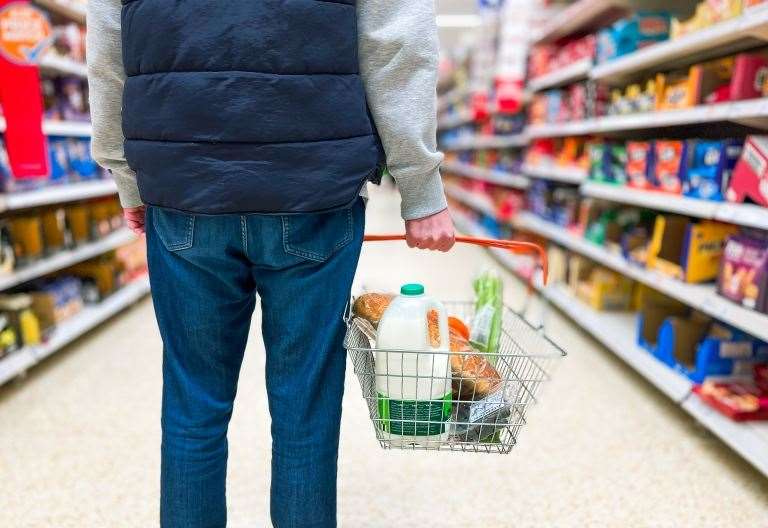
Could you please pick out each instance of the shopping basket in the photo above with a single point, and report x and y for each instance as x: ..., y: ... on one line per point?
x: 489, y: 422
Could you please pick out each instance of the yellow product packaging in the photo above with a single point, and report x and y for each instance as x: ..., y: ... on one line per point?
x: 54, y: 229
x: 599, y: 287
x: 686, y: 250
x: 677, y: 90
x: 27, y: 237
x: 78, y: 219
x: 18, y: 308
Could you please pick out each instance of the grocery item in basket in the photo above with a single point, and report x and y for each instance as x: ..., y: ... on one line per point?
x: 371, y: 306
x: 473, y: 376
x: 486, y: 326
x: 480, y: 420
x: 413, y: 380
x: 458, y: 325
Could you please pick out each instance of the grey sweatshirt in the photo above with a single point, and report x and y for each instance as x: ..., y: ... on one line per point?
x: 398, y: 62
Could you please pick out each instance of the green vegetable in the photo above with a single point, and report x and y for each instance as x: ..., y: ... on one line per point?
x: 486, y: 327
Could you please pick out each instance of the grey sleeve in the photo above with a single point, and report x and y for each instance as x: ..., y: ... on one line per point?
x: 398, y: 61
x: 106, y: 77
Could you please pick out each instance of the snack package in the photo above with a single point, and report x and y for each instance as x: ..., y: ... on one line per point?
x: 711, y: 166
x: 640, y: 164
x: 743, y: 276
x: 750, y: 176
x: 485, y: 332
x: 670, y: 157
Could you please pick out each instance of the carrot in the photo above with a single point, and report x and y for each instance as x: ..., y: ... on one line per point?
x: 458, y: 325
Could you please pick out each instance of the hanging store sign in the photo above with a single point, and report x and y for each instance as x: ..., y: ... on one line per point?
x: 25, y: 33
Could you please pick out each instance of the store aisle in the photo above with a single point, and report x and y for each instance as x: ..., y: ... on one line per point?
x: 79, y: 438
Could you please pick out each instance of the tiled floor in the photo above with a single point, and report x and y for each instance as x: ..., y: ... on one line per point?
x: 79, y: 438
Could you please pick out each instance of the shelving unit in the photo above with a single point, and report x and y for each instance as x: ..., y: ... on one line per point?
x: 569, y: 74
x: 455, y: 120
x: 580, y: 15
x: 616, y: 330
x: 66, y: 258
x: 475, y: 201
x: 63, y: 65
x: 496, y: 177
x: 66, y: 192
x: 555, y: 173
x: 487, y: 142
x: 740, y: 32
x: 74, y: 11
x: 741, y: 214
x: 70, y: 329
x: 61, y: 128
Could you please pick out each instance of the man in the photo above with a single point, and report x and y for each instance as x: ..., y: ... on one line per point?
x: 249, y: 129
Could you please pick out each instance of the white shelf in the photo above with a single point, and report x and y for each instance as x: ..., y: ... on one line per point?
x: 454, y: 120
x: 580, y: 15
x: 555, y: 173
x: 748, y: 439
x: 66, y: 192
x: 703, y: 297
x: 64, y: 259
x: 475, y: 201
x: 488, y: 142
x: 63, y: 65
x: 753, y: 23
x: 496, y: 177
x: 617, y: 331
x: 741, y: 214
x: 74, y: 11
x: 72, y: 328
x: 569, y: 74
x: 451, y: 97
x: 61, y: 128
x: 753, y: 112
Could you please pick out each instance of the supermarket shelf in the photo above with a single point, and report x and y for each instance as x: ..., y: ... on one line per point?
x: 580, y: 15
x: 496, y: 177
x: 72, y: 328
x: 476, y: 202
x: 455, y: 120
x: 701, y: 296
x: 616, y: 331
x: 487, y: 142
x: 753, y: 112
x: 741, y: 214
x: 555, y: 173
x: 66, y: 258
x: 72, y: 10
x: 569, y: 74
x: 749, y: 439
x: 451, y: 97
x: 66, y: 192
x: 63, y: 65
x: 753, y: 23
x: 61, y: 128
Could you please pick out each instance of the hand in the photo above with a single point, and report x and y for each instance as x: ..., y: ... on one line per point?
x: 431, y: 232
x: 134, y: 217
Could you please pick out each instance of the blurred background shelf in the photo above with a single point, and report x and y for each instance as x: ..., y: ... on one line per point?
x: 65, y: 192
x: 496, y: 177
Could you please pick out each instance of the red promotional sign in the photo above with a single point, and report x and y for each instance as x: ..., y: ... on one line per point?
x: 25, y: 33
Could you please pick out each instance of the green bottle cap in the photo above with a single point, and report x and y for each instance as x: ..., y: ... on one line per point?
x: 412, y: 289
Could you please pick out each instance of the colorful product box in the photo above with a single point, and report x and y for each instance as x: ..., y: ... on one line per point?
x: 687, y: 250
x: 670, y: 165
x: 710, y: 168
x: 631, y: 34
x: 750, y: 176
x: 743, y: 276
x: 640, y: 164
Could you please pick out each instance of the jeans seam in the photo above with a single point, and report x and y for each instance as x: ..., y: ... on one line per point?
x: 244, y: 232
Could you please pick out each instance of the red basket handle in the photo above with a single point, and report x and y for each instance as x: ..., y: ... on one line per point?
x: 514, y: 246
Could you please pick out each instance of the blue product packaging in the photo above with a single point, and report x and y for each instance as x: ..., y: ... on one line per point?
x: 59, y: 159
x: 711, y: 164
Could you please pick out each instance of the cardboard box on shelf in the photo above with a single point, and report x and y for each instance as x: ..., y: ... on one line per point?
x: 687, y: 250
x: 743, y: 276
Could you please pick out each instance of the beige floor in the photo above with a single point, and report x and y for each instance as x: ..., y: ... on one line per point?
x: 79, y: 439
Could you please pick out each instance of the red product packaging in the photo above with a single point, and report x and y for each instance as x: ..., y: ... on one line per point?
x: 639, y: 167
x: 750, y: 176
x: 670, y: 165
x: 749, y: 74
x: 738, y: 401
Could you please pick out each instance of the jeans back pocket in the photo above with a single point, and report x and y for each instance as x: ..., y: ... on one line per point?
x: 317, y: 236
x: 175, y: 230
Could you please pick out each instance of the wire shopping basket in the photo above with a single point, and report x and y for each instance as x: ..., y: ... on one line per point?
x: 488, y: 393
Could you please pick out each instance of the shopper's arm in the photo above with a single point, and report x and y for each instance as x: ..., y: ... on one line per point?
x: 398, y: 63
x: 106, y: 77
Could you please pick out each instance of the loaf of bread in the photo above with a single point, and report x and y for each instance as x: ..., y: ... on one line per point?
x: 371, y: 306
x: 473, y: 376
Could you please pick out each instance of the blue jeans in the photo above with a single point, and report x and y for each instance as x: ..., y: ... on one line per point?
x: 205, y: 272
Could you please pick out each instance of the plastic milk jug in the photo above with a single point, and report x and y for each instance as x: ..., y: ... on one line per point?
x: 414, y: 390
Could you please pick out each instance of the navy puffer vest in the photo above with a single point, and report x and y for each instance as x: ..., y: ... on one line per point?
x: 246, y: 106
